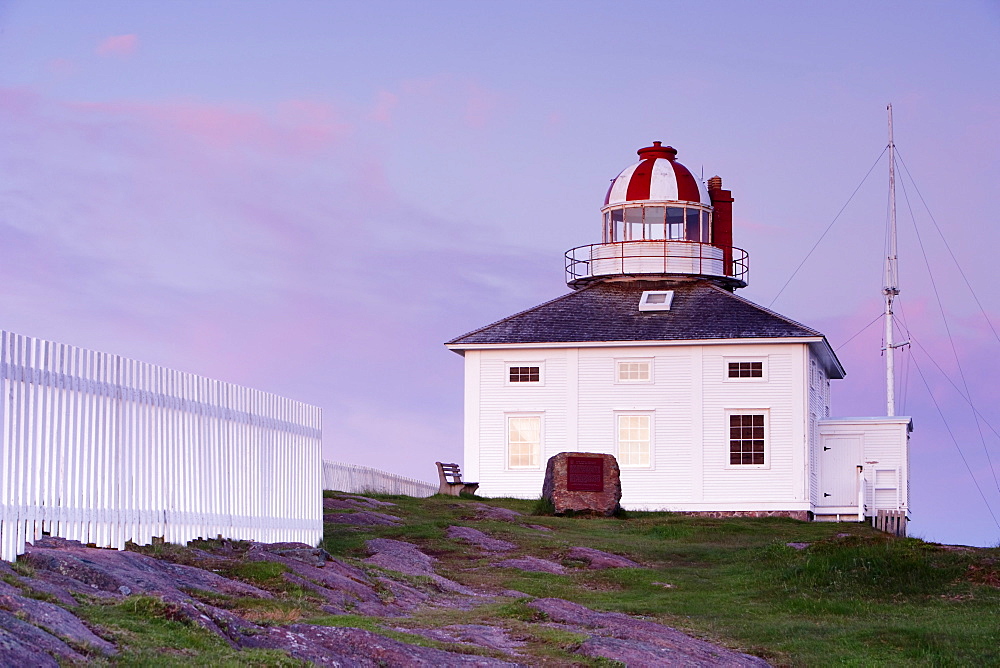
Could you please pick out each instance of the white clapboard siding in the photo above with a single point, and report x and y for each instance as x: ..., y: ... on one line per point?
x: 357, y: 479
x: 102, y: 449
x: 688, y: 399
x: 549, y: 399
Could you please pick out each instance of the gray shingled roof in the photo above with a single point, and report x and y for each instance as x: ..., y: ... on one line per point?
x: 609, y: 311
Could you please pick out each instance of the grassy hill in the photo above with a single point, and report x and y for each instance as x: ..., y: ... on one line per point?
x: 843, y: 594
x: 853, y: 595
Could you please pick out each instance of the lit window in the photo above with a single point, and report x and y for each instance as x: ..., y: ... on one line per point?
x: 524, y: 440
x: 633, y: 371
x: 524, y: 374
x: 746, y: 439
x: 633, y: 440
x: 746, y: 369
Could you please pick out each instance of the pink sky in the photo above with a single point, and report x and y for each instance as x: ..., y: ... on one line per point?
x: 310, y: 198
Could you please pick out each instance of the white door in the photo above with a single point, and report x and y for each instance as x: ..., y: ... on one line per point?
x: 839, y: 457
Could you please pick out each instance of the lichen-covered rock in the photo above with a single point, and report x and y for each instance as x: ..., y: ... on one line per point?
x: 334, y: 646
x: 126, y: 573
x: 479, y: 539
x: 367, y: 518
x: 399, y: 556
x: 56, y: 621
x: 533, y: 564
x: 480, y: 635
x: 598, y: 560
x: 538, y: 527
x: 331, y: 576
x: 684, y: 650
x: 637, y: 654
x: 312, y: 556
x: 360, y: 500
x: 406, y: 558
x: 22, y: 644
x: 495, y: 513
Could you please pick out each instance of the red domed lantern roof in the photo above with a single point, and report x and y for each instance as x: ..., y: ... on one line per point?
x: 657, y: 177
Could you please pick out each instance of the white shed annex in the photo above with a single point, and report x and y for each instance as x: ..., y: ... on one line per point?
x: 710, y: 403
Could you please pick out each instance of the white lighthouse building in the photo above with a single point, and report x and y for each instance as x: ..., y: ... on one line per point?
x: 709, y: 402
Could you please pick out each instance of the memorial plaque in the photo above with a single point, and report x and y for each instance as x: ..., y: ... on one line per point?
x: 583, y: 482
x: 584, y: 474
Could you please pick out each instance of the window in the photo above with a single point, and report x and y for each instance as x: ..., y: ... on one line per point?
x: 656, y: 222
x: 746, y: 369
x: 634, y: 371
x: 633, y: 440
x: 746, y: 439
x: 524, y: 374
x: 524, y: 441
x: 656, y: 300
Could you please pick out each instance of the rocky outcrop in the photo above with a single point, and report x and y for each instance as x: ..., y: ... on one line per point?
x: 368, y: 518
x: 395, y: 555
x: 334, y: 646
x: 496, y: 513
x: 638, y: 642
x: 598, y: 560
x: 532, y: 564
x: 195, y: 585
x: 479, y: 539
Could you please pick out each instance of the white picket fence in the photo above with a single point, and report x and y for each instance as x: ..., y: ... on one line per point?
x: 358, y: 479
x: 102, y: 449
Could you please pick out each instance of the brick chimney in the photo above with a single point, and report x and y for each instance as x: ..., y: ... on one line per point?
x: 722, y: 220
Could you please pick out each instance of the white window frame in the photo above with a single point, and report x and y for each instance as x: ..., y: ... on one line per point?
x: 651, y: 417
x: 745, y: 358
x: 645, y: 305
x: 529, y: 383
x: 507, y: 443
x: 766, y: 412
x: 633, y: 360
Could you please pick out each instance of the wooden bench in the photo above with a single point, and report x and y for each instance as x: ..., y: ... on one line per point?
x: 455, y: 486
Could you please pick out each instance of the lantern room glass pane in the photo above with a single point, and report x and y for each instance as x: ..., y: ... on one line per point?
x: 693, y: 232
x: 654, y: 219
x: 675, y: 222
x: 606, y: 228
x: 617, y: 225
x: 706, y: 227
x: 633, y: 221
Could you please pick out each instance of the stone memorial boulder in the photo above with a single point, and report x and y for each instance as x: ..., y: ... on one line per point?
x: 583, y: 482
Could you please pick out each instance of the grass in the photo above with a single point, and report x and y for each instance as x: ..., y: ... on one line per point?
x: 853, y: 597
x: 153, y: 635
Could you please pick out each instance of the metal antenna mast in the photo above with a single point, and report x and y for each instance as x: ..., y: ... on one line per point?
x: 891, y: 288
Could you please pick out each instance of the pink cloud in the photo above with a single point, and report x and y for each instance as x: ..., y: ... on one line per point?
x: 294, y: 126
x: 385, y: 104
x: 119, y: 46
x: 62, y: 67
x: 465, y: 100
x: 481, y: 106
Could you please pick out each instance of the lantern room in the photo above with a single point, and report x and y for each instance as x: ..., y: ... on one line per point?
x: 661, y: 221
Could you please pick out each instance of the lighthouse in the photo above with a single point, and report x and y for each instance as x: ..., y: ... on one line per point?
x: 710, y: 403
x: 658, y: 220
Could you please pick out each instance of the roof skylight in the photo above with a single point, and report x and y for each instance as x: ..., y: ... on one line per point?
x: 656, y: 300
